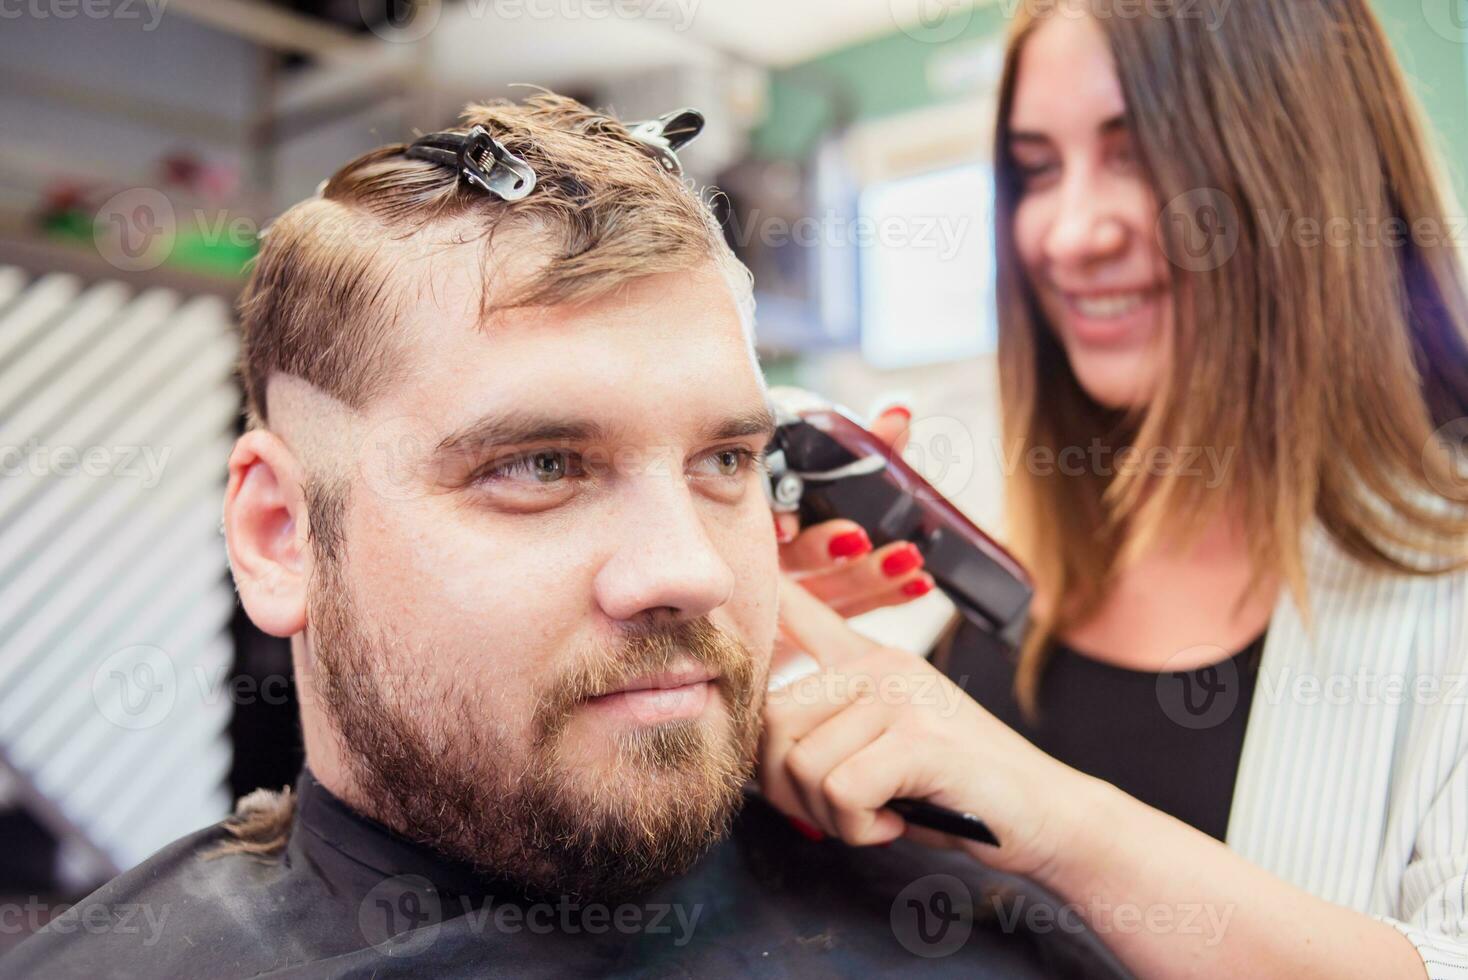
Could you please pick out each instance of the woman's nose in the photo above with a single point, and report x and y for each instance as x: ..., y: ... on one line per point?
x: 1087, y: 225
x: 664, y: 560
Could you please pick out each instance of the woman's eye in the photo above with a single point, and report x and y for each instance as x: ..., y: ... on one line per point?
x: 1031, y: 174
x: 1124, y: 156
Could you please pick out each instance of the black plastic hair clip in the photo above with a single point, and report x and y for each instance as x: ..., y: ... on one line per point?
x: 667, y: 134
x: 480, y: 159
x: 484, y: 162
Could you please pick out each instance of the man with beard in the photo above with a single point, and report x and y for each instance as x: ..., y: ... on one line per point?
x: 501, y: 488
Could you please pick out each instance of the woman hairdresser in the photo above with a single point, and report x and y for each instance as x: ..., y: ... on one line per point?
x: 1298, y: 311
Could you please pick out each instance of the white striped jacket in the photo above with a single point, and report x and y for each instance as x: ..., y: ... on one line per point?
x: 1353, y: 783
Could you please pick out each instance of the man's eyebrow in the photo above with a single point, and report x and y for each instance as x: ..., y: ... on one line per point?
x: 516, y: 429
x: 520, y: 429
x: 756, y: 422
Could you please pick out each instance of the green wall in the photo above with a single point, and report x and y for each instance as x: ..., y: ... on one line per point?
x: 1436, y: 60
x: 878, y: 77
x: 891, y: 74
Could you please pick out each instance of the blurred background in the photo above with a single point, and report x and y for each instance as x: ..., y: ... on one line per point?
x: 144, y: 143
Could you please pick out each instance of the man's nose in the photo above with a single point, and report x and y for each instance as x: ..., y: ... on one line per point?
x: 665, y: 563
x: 1088, y: 225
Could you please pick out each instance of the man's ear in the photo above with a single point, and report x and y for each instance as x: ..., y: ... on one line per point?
x: 265, y: 530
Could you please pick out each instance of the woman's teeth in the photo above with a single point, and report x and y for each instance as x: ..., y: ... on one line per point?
x: 1108, y: 307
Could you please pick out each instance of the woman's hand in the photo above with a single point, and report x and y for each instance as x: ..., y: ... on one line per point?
x: 835, y: 562
x: 867, y: 723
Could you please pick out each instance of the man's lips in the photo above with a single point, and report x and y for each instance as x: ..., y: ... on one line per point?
x: 668, y: 679
x: 656, y: 698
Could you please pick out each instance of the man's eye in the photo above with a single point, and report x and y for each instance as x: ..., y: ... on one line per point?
x: 541, y: 467
x: 735, y: 461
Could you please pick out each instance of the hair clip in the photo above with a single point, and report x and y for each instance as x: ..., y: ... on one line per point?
x: 480, y: 159
x: 667, y: 134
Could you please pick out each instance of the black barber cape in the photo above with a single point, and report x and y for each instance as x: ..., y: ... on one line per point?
x: 349, y: 898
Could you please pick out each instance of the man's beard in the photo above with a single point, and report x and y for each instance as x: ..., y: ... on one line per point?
x: 429, y: 764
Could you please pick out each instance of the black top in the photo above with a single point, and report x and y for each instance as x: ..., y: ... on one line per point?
x: 1172, y: 739
x: 347, y: 897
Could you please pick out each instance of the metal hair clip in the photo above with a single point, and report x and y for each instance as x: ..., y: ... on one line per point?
x: 667, y: 134
x: 480, y: 159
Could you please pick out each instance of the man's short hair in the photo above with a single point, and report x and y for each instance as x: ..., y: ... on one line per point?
x: 321, y: 302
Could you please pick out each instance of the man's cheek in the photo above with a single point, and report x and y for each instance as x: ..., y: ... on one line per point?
x: 756, y: 566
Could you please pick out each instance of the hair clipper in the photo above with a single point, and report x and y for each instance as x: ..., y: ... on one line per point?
x: 823, y: 464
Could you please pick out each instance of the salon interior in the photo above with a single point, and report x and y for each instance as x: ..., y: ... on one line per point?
x: 147, y: 143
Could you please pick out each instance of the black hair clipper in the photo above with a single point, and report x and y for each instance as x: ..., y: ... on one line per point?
x: 824, y: 464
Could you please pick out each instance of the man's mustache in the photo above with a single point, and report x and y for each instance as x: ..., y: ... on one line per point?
x: 642, y: 650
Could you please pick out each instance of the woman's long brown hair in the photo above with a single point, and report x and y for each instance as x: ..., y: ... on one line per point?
x: 1327, y: 367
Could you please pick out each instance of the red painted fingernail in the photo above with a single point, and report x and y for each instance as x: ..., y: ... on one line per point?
x: 806, y: 830
x: 779, y: 531
x: 902, y: 561
x: 850, y: 544
x: 918, y: 586
x: 902, y: 410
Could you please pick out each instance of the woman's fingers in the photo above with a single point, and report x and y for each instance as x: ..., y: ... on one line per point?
x: 829, y: 744
x: 810, y: 625
x: 821, y: 545
x: 859, y: 787
x: 836, y: 539
x: 793, y: 706
x: 787, y: 526
x: 835, y: 562
x: 842, y: 705
x: 893, y: 427
x: 884, y: 578
x: 920, y: 585
x: 789, y: 664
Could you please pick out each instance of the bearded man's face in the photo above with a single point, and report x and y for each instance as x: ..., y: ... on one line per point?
x: 542, y: 601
